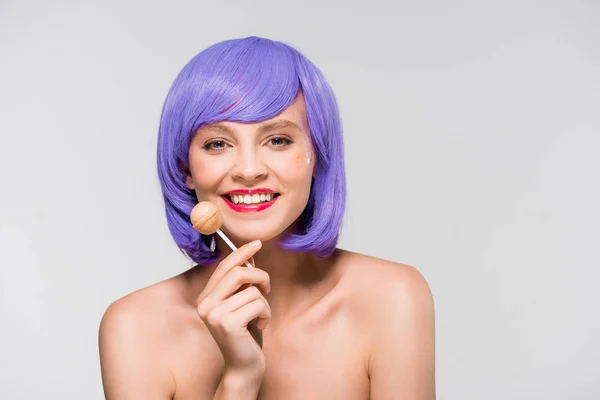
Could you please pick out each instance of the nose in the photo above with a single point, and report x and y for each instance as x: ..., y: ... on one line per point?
x: 249, y: 166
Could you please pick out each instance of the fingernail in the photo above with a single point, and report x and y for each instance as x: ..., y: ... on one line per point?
x: 256, y: 244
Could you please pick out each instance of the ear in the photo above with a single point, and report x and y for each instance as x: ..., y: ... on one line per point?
x: 189, y: 181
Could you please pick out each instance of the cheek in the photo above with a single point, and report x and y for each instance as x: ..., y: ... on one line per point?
x: 304, y: 158
x: 209, y: 171
x: 294, y: 167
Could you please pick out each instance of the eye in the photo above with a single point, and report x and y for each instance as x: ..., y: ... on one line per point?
x: 280, y: 141
x: 215, y: 146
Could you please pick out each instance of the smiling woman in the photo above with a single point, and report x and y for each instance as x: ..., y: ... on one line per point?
x: 252, y: 126
x: 248, y: 81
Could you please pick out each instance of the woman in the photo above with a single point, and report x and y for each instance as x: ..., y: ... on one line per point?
x: 252, y: 126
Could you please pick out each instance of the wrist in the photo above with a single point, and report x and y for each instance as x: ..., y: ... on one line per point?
x: 244, y: 385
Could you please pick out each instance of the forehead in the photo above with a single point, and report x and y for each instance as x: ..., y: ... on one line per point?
x: 297, y: 109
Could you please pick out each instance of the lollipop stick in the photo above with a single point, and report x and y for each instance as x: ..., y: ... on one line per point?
x: 231, y: 245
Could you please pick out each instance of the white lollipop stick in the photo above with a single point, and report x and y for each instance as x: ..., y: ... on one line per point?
x: 231, y: 245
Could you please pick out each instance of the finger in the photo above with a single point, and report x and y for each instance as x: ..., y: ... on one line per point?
x: 244, y: 297
x: 236, y: 281
x: 243, y: 315
x: 234, y: 303
x: 234, y: 259
x: 237, y: 277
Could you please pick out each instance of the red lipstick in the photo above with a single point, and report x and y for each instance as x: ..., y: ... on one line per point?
x: 249, y: 207
x: 251, y: 191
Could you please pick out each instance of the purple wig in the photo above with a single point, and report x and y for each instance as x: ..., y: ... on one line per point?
x: 251, y: 80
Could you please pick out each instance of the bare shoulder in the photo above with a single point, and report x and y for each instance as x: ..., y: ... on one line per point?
x: 376, y: 279
x: 394, y: 306
x: 143, y: 310
x: 133, y: 342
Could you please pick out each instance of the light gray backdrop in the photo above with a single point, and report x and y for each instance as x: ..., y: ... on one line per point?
x: 472, y: 139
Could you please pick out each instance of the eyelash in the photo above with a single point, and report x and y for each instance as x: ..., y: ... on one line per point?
x: 207, y: 146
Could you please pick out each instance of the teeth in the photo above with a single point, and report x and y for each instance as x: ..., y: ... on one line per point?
x: 251, y: 199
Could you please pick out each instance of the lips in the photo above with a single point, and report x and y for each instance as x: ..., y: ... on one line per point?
x: 250, y: 200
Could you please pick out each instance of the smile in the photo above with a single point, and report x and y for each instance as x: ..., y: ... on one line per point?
x: 250, y: 200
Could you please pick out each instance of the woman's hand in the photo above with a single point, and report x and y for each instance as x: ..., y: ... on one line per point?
x: 228, y: 304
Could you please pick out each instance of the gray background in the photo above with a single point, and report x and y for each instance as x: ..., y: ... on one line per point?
x: 472, y: 139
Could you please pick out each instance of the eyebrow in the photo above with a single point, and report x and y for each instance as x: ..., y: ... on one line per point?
x: 265, y: 127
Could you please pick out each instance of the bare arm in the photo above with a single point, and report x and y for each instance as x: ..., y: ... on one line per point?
x: 132, y: 366
x: 402, y: 361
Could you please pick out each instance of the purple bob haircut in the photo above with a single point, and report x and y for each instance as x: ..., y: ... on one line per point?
x: 251, y: 80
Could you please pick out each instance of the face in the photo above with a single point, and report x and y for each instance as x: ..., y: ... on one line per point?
x: 258, y: 174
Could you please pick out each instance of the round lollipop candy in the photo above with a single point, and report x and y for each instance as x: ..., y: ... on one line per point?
x: 207, y: 219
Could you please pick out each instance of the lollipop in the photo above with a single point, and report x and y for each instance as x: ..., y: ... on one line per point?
x: 207, y: 219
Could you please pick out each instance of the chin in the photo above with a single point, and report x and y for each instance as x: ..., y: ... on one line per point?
x: 248, y: 231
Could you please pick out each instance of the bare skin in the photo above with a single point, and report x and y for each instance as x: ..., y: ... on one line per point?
x: 333, y: 345
x: 347, y: 326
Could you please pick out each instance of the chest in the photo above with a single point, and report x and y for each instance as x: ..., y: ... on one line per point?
x: 319, y: 362
x: 318, y: 359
